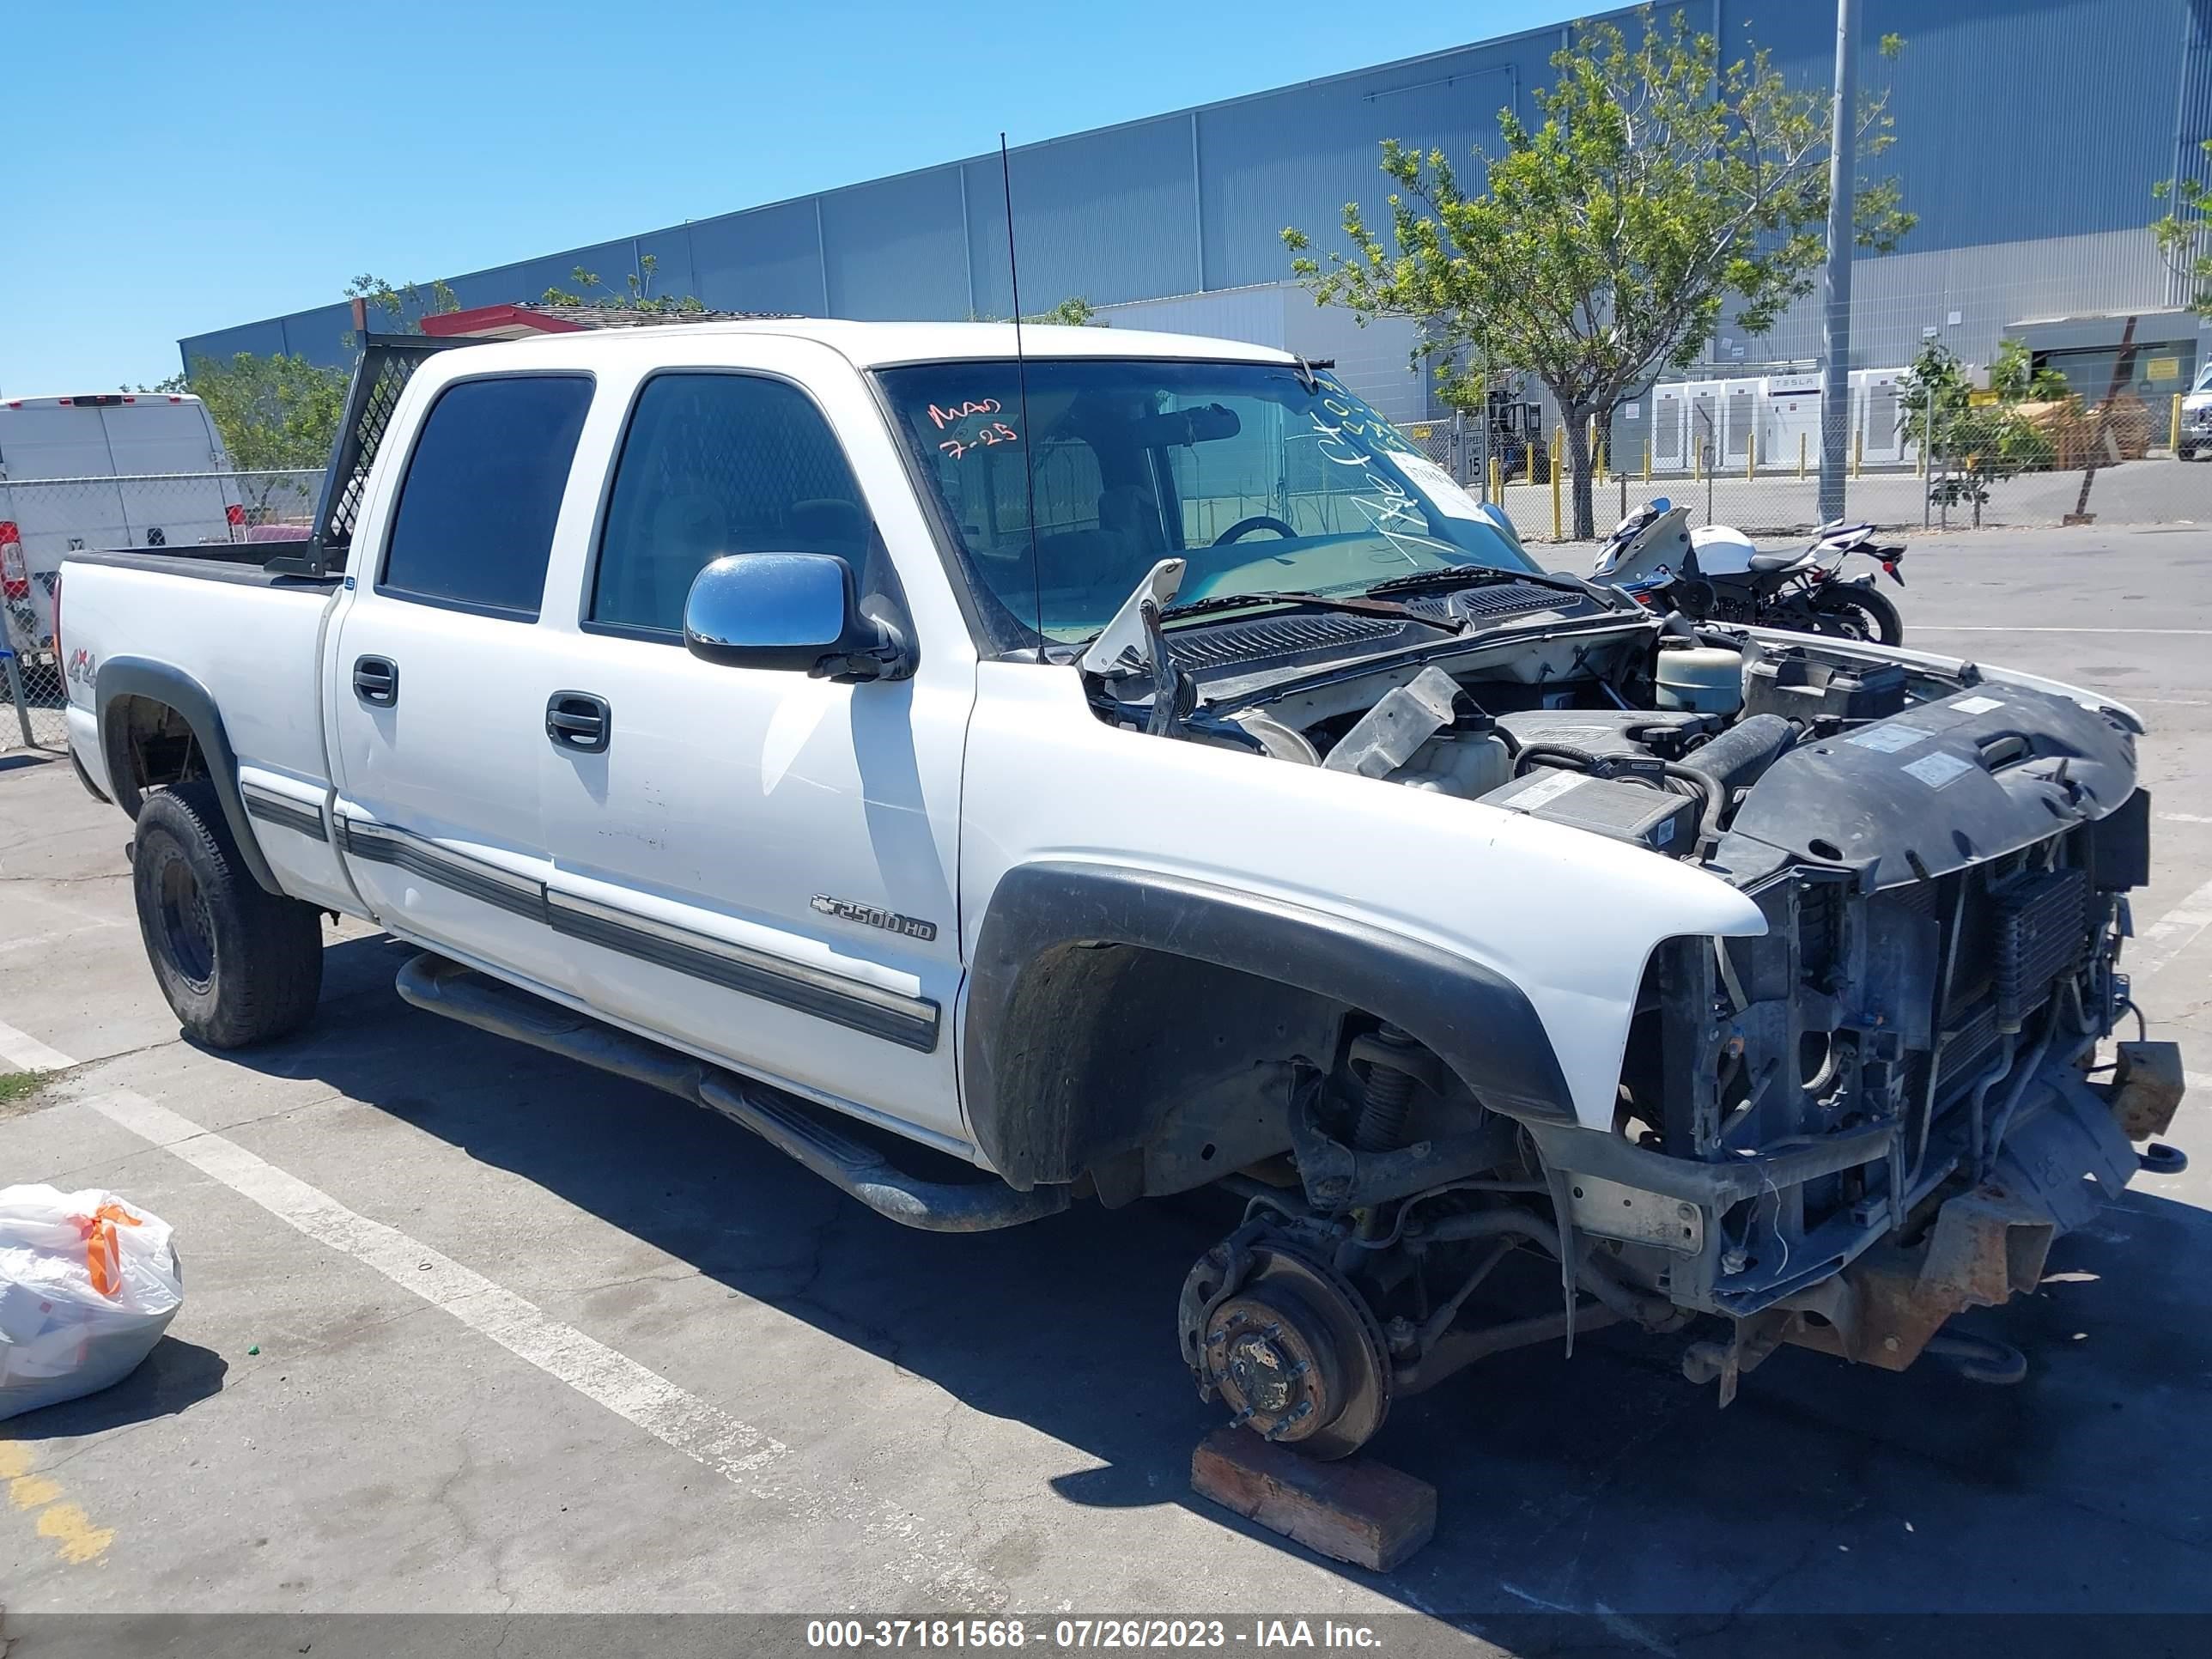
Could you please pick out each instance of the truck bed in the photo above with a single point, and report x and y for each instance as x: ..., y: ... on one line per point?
x: 247, y: 638
x: 219, y: 561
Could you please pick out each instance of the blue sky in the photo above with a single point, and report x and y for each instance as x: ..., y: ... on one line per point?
x: 168, y: 169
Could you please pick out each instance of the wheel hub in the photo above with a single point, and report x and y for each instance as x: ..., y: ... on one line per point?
x: 1295, y: 1355
x: 187, y: 933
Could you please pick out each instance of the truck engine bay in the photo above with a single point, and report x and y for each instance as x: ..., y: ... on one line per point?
x: 1837, y: 1136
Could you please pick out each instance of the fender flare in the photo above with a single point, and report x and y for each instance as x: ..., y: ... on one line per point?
x: 1478, y: 1022
x: 159, y: 682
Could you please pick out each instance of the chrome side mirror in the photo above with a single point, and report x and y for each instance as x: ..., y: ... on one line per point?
x: 789, y: 610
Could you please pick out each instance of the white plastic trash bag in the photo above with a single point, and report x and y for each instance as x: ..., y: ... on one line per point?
x: 87, y: 1283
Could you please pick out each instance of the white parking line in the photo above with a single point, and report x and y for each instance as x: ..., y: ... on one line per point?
x: 747, y: 1457
x: 57, y: 937
x: 1997, y: 628
x: 2169, y: 935
x: 22, y: 1050
x: 2184, y: 817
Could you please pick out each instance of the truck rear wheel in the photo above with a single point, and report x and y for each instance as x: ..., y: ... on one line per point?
x: 239, y: 964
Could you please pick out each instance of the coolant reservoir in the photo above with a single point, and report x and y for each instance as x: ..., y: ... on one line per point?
x: 1706, y: 679
x: 1463, y: 763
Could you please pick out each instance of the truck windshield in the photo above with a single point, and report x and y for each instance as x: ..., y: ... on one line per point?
x: 1264, y: 479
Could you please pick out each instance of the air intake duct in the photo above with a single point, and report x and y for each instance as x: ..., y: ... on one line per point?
x: 1736, y: 757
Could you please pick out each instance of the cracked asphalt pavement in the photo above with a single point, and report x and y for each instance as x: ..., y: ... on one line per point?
x: 648, y: 1365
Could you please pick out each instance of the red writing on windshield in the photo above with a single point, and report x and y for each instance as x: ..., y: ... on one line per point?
x: 997, y: 433
x: 944, y: 418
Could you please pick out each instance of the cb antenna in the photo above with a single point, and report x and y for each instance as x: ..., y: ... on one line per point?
x: 1022, y: 379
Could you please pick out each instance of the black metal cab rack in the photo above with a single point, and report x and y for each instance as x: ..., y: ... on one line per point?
x: 387, y: 362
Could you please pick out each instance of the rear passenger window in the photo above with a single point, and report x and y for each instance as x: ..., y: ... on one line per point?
x: 474, y: 526
x: 717, y: 464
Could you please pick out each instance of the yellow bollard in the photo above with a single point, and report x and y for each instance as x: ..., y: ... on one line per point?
x: 1858, y: 451
x: 1647, y: 460
x: 1558, y: 439
x: 1590, y: 448
x: 2173, y: 433
x: 1497, y: 482
x: 1801, y: 454
x: 1751, y: 458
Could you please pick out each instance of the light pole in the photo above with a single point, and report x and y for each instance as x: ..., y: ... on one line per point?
x: 1836, y: 282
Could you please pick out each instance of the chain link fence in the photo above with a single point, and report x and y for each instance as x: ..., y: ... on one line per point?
x: 45, y: 520
x: 1763, y: 476
x: 2043, y: 400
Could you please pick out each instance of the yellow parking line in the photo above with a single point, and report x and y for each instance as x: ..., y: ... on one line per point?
x: 65, y: 1525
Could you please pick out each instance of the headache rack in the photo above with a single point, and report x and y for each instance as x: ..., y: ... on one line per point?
x: 387, y: 362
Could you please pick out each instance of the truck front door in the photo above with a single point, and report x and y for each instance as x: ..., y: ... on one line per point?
x: 753, y: 863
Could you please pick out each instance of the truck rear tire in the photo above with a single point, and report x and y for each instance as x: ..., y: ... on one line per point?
x: 239, y: 964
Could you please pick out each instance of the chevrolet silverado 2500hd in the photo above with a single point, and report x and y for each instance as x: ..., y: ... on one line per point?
x: 1131, y: 768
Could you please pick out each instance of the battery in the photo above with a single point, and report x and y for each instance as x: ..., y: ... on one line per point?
x: 1654, y: 818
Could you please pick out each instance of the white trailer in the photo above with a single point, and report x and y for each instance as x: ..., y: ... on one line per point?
x: 100, y: 471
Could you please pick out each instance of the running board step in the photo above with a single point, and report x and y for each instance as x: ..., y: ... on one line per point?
x: 443, y: 986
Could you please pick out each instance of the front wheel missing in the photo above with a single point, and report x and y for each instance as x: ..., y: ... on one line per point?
x: 1290, y: 1346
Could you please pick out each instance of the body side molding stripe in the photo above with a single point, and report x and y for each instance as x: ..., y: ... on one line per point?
x: 377, y: 843
x: 282, y: 811
x: 910, y: 1022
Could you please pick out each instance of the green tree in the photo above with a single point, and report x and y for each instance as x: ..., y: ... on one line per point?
x: 404, y: 305
x: 2184, y: 234
x: 2016, y: 378
x: 636, y: 295
x: 1604, y: 245
x: 1975, y: 441
x: 1073, y: 312
x: 274, y: 414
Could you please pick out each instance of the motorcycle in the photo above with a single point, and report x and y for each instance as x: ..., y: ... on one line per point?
x: 1714, y: 572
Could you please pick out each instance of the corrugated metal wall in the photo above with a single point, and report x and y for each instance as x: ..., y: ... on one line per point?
x: 2029, y: 134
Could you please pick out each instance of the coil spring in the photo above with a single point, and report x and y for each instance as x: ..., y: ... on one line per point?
x: 1387, y: 1097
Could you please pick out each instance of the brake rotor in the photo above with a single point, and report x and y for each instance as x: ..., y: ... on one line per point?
x: 1297, y: 1356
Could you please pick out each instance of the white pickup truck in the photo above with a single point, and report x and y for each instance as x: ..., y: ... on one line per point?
x: 1010, y: 772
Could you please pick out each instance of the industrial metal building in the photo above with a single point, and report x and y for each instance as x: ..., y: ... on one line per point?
x: 2030, y: 134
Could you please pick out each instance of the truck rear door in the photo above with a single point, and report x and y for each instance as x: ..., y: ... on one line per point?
x: 436, y: 715
x: 167, y: 463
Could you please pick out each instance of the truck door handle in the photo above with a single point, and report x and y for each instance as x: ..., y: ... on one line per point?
x: 376, y: 680
x: 579, y: 721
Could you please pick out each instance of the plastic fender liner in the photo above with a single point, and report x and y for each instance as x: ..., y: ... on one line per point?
x: 157, y: 682
x: 1478, y: 1022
